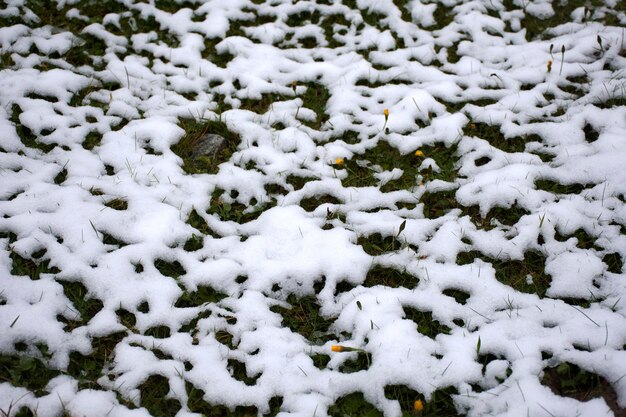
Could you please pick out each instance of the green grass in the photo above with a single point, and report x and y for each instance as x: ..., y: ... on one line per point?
x: 426, y: 325
x: 514, y: 273
x: 28, y: 138
x: 154, y: 397
x: 198, y: 404
x: 568, y: 380
x: 195, y: 130
x: 353, y: 405
x: 304, y: 318
x: 236, y: 212
x: 33, y: 266
x: 390, y: 277
x: 86, y: 306
x: 28, y: 365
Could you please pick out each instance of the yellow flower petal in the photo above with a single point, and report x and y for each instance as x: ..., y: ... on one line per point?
x: 337, y: 348
x: 418, y: 405
x: 386, y: 113
x: 419, y: 153
x: 339, y: 161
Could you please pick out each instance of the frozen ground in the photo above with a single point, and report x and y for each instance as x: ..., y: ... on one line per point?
x: 483, y: 275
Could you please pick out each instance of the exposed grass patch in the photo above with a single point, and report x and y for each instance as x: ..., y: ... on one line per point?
x: 458, y: 295
x: 584, y: 240
x: 169, y: 269
x: 235, y: 211
x: 389, y: 277
x: 297, y: 182
x: 118, y: 203
x: 360, y: 362
x: 315, y: 98
x: 126, y: 318
x: 525, y: 276
x: 486, y: 358
x: 383, y: 157
x: 27, y: 137
x: 537, y: 27
x: 197, y: 404
x: 426, y: 325
x: 239, y: 372
x: 84, y: 305
x: 153, y: 396
x: 158, y: 332
x: 493, y: 135
x: 202, y: 295
x: 445, y: 157
x: 614, y: 262
x: 311, y: 203
x: 354, y: 405
x: 87, y: 369
x: 31, y: 267
x: 557, y: 188
x: 111, y: 240
x: 405, y: 396
x: 194, y: 243
x: 28, y: 372
x: 568, y: 380
x: 320, y: 361
x: 195, y: 132
x: 305, y: 319
x: 377, y: 245
x: 197, y: 222
x: 508, y: 216
x: 437, y: 204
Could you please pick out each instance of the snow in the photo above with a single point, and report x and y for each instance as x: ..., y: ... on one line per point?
x: 144, y: 82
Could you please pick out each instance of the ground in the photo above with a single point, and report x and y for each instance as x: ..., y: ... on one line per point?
x: 418, y: 208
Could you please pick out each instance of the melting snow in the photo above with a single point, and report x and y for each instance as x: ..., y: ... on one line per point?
x: 112, y: 215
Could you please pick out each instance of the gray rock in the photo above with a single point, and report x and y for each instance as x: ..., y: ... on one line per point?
x: 209, y: 145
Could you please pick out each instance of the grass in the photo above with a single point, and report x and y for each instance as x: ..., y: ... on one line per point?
x: 86, y: 306
x: 305, y: 319
x: 33, y: 266
x: 28, y: 365
x: 526, y: 276
x: 389, y: 277
x: 426, y: 325
x: 28, y: 138
x: 353, y: 405
x: 237, y: 212
x: 567, y: 379
x: 197, y: 404
x: 195, y: 131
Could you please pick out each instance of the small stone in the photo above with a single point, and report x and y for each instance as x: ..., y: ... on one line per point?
x: 209, y: 145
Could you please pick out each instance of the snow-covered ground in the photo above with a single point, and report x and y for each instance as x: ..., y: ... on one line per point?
x: 507, y: 160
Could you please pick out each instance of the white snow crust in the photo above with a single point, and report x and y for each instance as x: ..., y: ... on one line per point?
x: 441, y: 86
